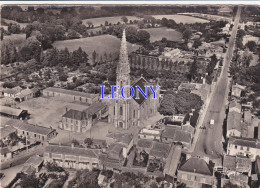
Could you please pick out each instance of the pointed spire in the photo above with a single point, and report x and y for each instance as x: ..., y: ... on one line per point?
x: 123, y: 65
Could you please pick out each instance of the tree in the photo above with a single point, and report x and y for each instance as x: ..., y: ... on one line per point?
x: 75, y: 142
x: 89, y: 23
x: 124, y: 19
x: 187, y: 34
x: 143, y: 36
x: 106, y: 23
x: 29, y: 181
x: 88, y: 141
x: 31, y: 49
x: 72, y: 34
x: 252, y: 46
x: 140, y: 24
x: 193, y: 70
x: 94, y: 56
x: 180, y: 102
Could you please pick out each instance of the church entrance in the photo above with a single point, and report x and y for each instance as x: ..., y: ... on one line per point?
x: 121, y: 124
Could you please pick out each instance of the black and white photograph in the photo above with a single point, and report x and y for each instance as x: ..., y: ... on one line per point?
x: 138, y: 95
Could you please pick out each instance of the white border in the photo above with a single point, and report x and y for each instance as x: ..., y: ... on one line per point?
x: 153, y: 2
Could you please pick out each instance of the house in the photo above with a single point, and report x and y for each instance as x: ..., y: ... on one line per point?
x: 195, y: 172
x: 190, y: 121
x: 243, y: 146
x: 152, y: 134
x: 144, y: 145
x: 72, y: 157
x: 70, y: 95
x: 6, y: 133
x: 14, y: 113
x: 7, y: 92
x: 239, y: 179
x: 33, y: 164
x: 26, y: 94
x: 236, y: 164
x: 234, y: 106
x: 172, y: 163
x: 5, y: 154
x: 234, y: 126
x: 30, y: 131
x: 177, y: 136
x: 126, y: 140
x: 159, y: 151
x: 82, y: 121
x: 237, y: 89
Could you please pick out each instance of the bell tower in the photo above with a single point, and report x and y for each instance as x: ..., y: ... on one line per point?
x: 121, y: 107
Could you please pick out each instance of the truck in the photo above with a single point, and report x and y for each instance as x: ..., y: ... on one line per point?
x: 211, y: 123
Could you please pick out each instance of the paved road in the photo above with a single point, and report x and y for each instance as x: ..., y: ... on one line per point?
x: 209, y: 142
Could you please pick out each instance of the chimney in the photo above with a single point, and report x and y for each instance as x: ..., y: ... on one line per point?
x: 59, y: 144
x: 72, y: 145
x: 194, y: 170
x: 66, y: 109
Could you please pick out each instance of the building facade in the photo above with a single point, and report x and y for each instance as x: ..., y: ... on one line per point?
x: 124, y: 113
x: 72, y: 157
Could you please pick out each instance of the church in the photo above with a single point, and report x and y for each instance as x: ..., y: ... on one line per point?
x: 124, y: 113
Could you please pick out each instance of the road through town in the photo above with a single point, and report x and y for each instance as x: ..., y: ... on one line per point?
x: 209, y: 142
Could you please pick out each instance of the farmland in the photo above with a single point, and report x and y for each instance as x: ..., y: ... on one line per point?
x: 22, y: 25
x: 158, y: 33
x: 101, y: 44
x: 16, y: 39
x: 181, y: 18
x: 113, y: 20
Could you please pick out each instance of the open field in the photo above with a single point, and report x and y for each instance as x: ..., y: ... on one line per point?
x: 158, y: 33
x: 101, y: 44
x: 48, y: 111
x: 113, y: 20
x: 22, y: 25
x: 16, y: 39
x: 181, y: 18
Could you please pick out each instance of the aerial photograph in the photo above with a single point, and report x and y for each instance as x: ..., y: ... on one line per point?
x: 130, y: 95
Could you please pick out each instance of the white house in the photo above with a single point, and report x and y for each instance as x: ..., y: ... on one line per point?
x: 244, y: 146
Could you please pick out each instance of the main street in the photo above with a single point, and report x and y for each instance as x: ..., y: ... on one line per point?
x: 209, y: 142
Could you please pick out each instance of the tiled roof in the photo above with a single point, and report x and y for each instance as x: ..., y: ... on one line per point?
x: 247, y: 142
x: 34, y: 161
x: 70, y: 92
x: 75, y: 151
x: 114, y: 151
x: 234, y: 104
x: 95, y: 107
x: 144, y: 143
x: 234, y: 121
x: 22, y: 125
x: 120, y: 137
x: 177, y: 135
x: 25, y: 92
x: 11, y: 111
x: 85, y: 114
x: 229, y: 162
x: 4, y: 150
x: 141, y: 82
x: 75, y: 114
x: 6, y: 131
x: 196, y: 165
x: 172, y: 160
x: 160, y: 150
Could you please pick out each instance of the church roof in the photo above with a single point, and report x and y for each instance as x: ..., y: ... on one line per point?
x: 141, y: 82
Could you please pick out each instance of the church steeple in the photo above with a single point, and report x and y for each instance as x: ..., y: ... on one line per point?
x: 123, y: 67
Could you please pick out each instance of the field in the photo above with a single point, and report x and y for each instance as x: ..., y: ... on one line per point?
x: 113, y: 20
x: 158, y: 33
x: 181, y: 18
x: 22, y: 25
x: 16, y: 39
x: 101, y: 44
